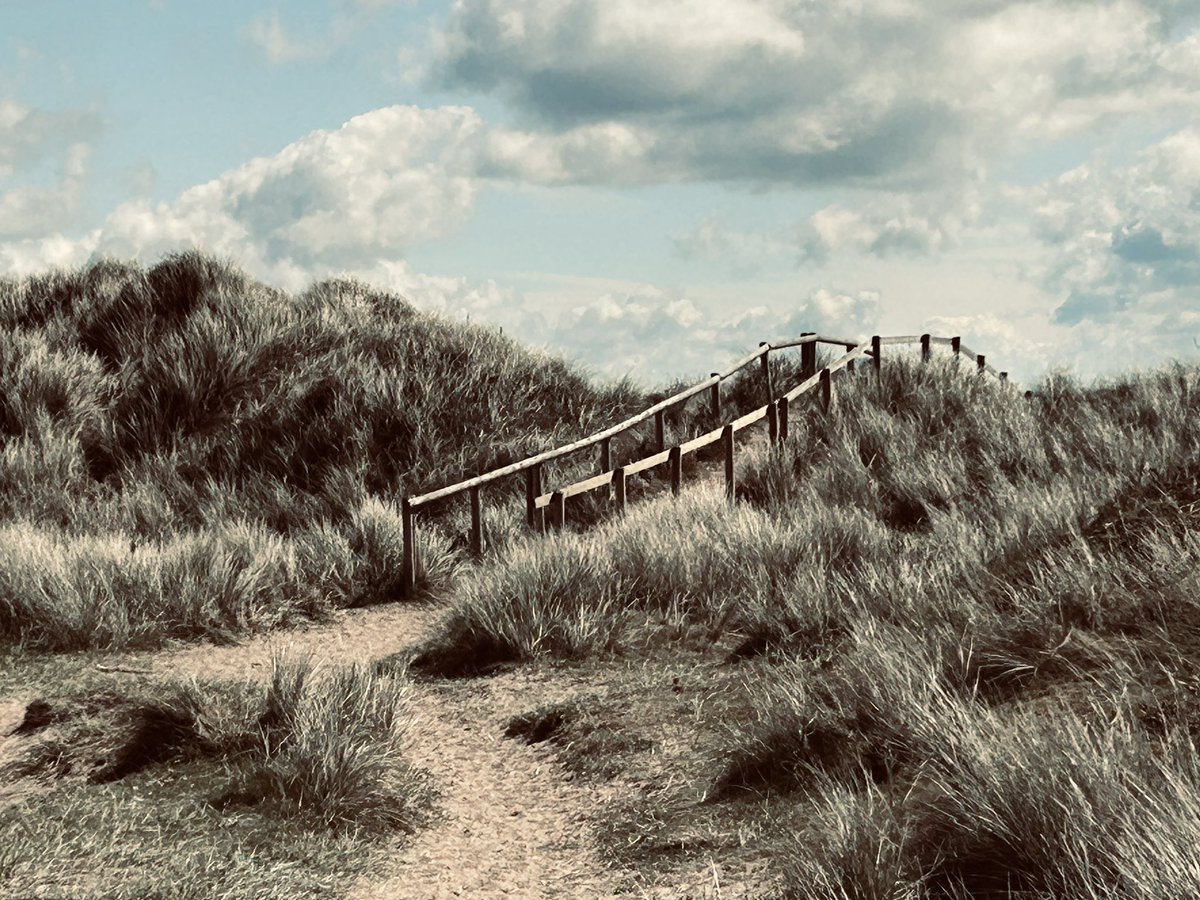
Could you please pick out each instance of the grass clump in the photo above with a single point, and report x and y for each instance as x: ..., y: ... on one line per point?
x: 209, y: 423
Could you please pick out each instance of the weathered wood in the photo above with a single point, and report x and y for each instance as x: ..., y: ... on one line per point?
x: 727, y: 444
x: 1029, y: 395
x: 782, y: 417
x: 675, y: 458
x: 533, y: 487
x: 606, y: 454
x: 476, y: 524
x: 660, y: 429
x: 766, y: 369
x: 648, y: 462
x: 826, y: 390
x: 981, y: 362
x: 619, y: 488
x: 808, y: 337
x: 808, y: 359
x: 925, y: 350
x: 956, y: 345
x: 750, y: 418
x: 582, y: 443
x: 772, y: 422
x: 899, y: 339
x: 408, y: 560
x: 696, y: 443
x: 558, y: 510
x: 878, y: 357
x: 1004, y: 376
x: 714, y: 398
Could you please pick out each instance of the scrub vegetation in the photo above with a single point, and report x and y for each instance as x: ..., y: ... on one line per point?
x: 945, y: 643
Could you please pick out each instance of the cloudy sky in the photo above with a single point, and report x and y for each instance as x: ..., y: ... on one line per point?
x: 648, y: 186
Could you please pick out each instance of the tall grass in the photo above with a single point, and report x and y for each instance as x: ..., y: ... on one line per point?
x: 184, y: 427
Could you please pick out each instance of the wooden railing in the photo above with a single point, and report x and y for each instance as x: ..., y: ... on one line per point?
x: 774, y: 410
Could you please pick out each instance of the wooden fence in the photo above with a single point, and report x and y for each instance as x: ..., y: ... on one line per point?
x: 774, y: 410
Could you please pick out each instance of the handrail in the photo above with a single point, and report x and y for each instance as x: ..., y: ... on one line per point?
x: 591, y: 441
x: 776, y: 410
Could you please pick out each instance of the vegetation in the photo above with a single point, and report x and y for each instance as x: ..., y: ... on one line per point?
x: 945, y: 644
x: 971, y: 618
x: 211, y: 788
x: 185, y: 452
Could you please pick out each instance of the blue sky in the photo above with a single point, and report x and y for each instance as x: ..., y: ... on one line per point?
x: 647, y: 188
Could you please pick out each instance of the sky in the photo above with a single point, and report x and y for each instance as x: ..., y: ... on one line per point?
x: 649, y: 187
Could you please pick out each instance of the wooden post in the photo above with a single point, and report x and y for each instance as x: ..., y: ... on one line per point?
x: 476, y: 524
x: 558, y: 510
x: 533, y: 487
x: 660, y: 430
x: 782, y: 416
x: 956, y: 345
x: 1004, y: 376
x: 826, y: 391
x: 606, y: 454
x: 876, y: 344
x: 1029, y: 395
x: 925, y: 354
x: 408, y: 563
x: 727, y: 446
x: 619, y: 487
x: 772, y: 421
x: 714, y: 398
x: 981, y: 363
x: 808, y: 358
x: 675, y: 461
x: 766, y: 369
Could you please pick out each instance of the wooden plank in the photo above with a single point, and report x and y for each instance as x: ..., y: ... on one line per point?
x: 648, y: 463
x: 703, y: 440
x: 476, y: 524
x: 842, y: 341
x: 804, y: 340
x: 749, y: 418
x: 900, y: 339
x: 408, y: 559
x: 942, y: 341
x: 727, y: 444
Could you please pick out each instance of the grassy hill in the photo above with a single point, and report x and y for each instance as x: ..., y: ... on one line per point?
x: 946, y: 644
x: 184, y: 451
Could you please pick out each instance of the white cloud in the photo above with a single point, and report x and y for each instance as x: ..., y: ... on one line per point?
x: 872, y: 92
x: 1125, y: 242
x: 27, y: 134
x: 656, y: 334
x: 268, y: 34
x: 31, y: 210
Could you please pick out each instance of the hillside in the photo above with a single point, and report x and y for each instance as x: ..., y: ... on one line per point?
x: 945, y: 643
x: 180, y: 431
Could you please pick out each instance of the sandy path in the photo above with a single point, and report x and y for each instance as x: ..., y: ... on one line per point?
x: 509, y: 824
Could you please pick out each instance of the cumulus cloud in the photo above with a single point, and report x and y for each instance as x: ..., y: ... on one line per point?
x: 883, y: 92
x: 28, y: 135
x: 655, y: 334
x: 1125, y: 241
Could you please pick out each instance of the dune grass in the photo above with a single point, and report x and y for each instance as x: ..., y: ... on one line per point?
x: 188, y: 452
x: 235, y: 789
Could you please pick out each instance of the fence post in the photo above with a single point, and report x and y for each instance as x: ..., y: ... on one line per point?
x: 660, y: 429
x: 925, y: 348
x: 675, y: 461
x: 876, y: 344
x: 619, y: 487
x: 1004, y: 376
x: 981, y: 363
x: 409, y: 560
x: 533, y: 487
x: 727, y: 447
x: 808, y: 357
x: 826, y: 390
x: 772, y: 421
x: 476, y: 524
x: 606, y: 454
x: 766, y: 369
x: 714, y: 397
x: 558, y: 510
x: 956, y: 345
x: 782, y: 416
x: 1029, y: 395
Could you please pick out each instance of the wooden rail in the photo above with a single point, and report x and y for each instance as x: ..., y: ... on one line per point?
x: 774, y: 410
